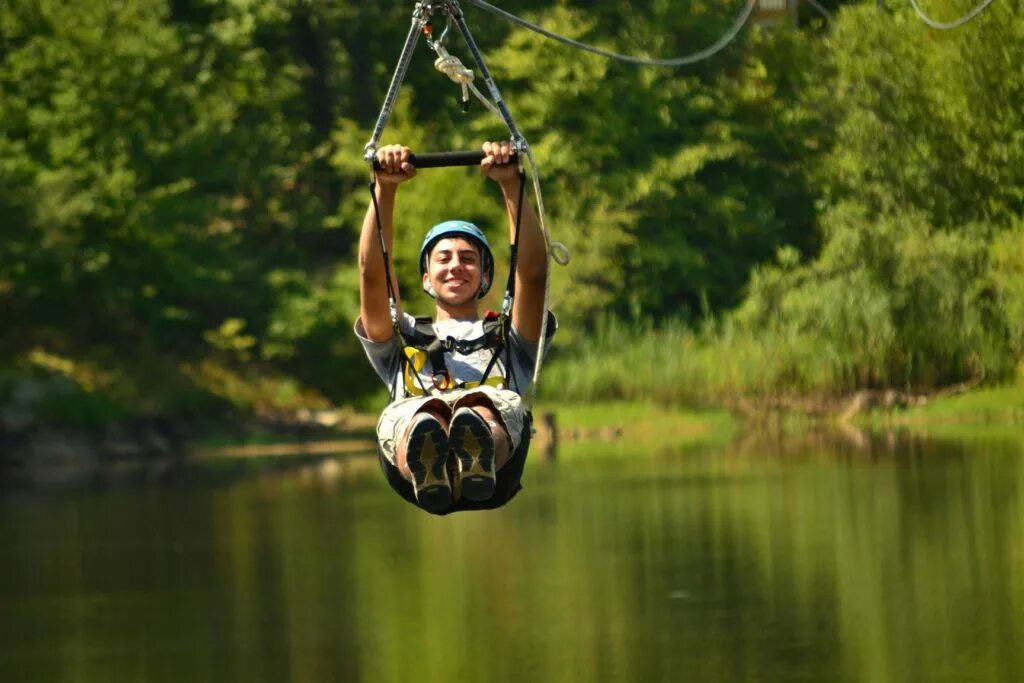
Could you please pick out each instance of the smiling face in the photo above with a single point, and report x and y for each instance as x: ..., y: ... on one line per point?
x: 454, y: 271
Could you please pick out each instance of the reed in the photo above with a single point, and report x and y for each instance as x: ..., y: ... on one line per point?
x: 713, y: 366
x: 638, y: 361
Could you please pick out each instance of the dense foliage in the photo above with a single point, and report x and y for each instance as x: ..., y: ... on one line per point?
x: 181, y: 189
x: 919, y: 282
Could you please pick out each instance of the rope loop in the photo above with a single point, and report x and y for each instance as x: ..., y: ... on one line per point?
x: 560, y: 253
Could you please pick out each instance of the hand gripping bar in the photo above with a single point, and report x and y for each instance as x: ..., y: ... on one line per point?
x: 443, y: 159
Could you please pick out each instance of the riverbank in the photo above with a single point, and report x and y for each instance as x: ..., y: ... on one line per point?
x: 636, y: 422
x: 61, y: 454
x: 648, y: 422
x: 987, y: 405
x: 54, y: 456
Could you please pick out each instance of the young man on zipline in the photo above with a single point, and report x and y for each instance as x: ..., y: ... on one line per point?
x: 455, y: 434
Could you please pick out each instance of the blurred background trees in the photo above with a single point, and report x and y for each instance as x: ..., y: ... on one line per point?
x: 181, y: 189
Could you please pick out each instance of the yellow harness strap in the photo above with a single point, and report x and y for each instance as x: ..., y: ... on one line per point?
x: 418, y: 360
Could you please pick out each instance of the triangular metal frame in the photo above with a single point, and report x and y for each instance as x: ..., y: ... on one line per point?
x: 421, y: 18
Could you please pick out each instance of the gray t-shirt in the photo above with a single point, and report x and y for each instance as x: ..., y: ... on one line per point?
x: 386, y: 356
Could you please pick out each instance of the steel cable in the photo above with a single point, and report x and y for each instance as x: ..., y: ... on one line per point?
x: 738, y: 24
x: 948, y: 25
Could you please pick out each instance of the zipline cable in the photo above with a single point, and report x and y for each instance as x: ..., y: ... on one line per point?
x: 737, y: 26
x: 948, y: 25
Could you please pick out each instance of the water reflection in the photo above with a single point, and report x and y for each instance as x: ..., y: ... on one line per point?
x: 889, y: 559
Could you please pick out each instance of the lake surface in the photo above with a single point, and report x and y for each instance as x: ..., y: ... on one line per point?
x: 887, y: 559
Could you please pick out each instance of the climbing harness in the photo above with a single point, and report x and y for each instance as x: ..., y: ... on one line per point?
x: 423, y: 16
x: 424, y: 344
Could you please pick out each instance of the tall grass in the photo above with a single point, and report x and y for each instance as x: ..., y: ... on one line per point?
x: 892, y: 303
x: 671, y: 363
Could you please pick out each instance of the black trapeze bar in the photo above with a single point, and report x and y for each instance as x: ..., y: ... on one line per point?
x: 445, y: 159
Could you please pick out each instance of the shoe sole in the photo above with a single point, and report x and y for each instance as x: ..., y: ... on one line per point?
x: 473, y: 446
x: 426, y: 456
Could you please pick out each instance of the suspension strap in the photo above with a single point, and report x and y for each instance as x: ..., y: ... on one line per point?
x: 501, y: 342
x: 392, y: 299
x: 513, y: 263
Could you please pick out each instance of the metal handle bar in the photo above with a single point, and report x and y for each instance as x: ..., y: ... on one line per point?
x: 443, y: 159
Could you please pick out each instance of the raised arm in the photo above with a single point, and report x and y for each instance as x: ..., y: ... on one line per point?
x: 531, y: 272
x: 373, y: 290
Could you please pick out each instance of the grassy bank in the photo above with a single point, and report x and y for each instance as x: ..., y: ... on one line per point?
x: 639, y: 419
x: 634, y: 361
x: 722, y: 365
x: 988, y: 405
x: 613, y: 384
x: 637, y: 428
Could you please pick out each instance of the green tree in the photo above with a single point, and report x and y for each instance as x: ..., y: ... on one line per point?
x: 913, y: 287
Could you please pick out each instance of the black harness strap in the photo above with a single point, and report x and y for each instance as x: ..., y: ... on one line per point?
x: 501, y: 342
x: 392, y: 299
x: 425, y: 339
x: 510, y: 287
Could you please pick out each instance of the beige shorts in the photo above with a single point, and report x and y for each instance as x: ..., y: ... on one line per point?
x: 395, y: 419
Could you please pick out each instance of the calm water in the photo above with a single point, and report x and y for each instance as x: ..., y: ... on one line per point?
x: 897, y: 560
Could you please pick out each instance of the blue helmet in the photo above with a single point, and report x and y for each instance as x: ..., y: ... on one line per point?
x: 468, y: 231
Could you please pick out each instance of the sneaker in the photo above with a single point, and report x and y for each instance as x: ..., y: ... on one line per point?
x: 473, y: 446
x: 426, y: 454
